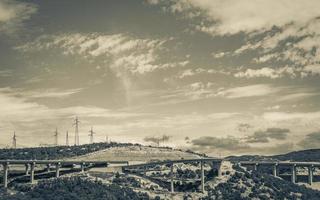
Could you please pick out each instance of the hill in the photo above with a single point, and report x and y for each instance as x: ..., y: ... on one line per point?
x: 138, y: 153
x: 299, y: 156
x: 245, y: 185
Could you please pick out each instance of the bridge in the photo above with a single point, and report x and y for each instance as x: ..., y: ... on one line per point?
x: 277, y: 165
x: 126, y: 167
x: 30, y: 166
x: 216, y: 164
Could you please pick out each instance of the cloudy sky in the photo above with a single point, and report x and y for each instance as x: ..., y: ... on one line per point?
x: 217, y: 76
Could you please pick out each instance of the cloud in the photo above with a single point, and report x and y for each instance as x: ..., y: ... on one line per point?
x: 244, y: 127
x: 19, y: 107
x: 266, y: 72
x: 297, y: 96
x: 157, y: 140
x: 270, y: 133
x: 248, y: 91
x: 193, y: 72
x: 123, y: 52
x: 311, y: 141
x: 284, y: 116
x: 13, y: 13
x: 232, y: 16
x: 228, y: 143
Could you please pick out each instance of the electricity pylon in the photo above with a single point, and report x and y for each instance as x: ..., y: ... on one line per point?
x: 67, y: 138
x: 91, y: 135
x: 14, y: 140
x: 56, y: 134
x: 76, y: 135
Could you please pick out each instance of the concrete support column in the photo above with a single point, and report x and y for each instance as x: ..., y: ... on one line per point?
x: 57, y: 170
x: 255, y: 167
x: 310, y: 174
x: 5, y: 174
x: 145, y: 171
x: 275, y: 170
x: 171, y: 178
x: 293, y: 173
x: 202, y: 176
x: 82, y: 167
x: 32, y: 165
x: 48, y: 167
x: 27, y: 169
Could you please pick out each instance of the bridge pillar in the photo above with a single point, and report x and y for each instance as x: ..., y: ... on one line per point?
x: 82, y: 167
x: 310, y: 174
x: 275, y: 170
x: 32, y: 165
x: 5, y: 174
x: 293, y: 173
x: 171, y: 178
x: 48, y: 167
x: 145, y: 171
x: 57, y: 170
x: 202, y: 176
x: 27, y: 169
x: 255, y: 167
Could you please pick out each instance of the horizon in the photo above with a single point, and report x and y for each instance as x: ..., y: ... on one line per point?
x: 216, y: 77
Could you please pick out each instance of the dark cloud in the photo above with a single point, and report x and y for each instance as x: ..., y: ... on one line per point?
x: 270, y: 133
x: 229, y: 143
x: 311, y: 141
x: 157, y: 140
x: 243, y: 127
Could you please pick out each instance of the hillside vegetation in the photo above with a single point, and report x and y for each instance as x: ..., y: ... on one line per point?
x: 299, y: 156
x: 74, y: 188
x: 57, y: 152
x: 244, y: 185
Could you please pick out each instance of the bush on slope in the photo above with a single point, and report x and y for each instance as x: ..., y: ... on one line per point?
x: 75, y: 188
x: 245, y: 185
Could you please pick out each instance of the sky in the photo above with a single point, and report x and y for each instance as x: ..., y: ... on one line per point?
x: 222, y: 77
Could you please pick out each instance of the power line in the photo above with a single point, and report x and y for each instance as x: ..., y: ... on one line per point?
x: 67, y: 138
x: 91, y: 135
x: 14, y: 140
x: 56, y: 135
x: 76, y: 135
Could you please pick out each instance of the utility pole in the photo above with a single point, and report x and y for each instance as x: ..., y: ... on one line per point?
x: 56, y: 136
x: 76, y: 135
x: 107, y: 139
x: 91, y: 135
x: 14, y: 140
x: 67, y: 138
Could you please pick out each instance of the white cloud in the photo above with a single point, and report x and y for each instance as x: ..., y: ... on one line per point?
x: 13, y: 13
x: 131, y: 54
x: 266, y: 72
x: 248, y: 91
x: 282, y: 116
x: 233, y: 16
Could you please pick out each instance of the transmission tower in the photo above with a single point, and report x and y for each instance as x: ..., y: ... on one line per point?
x: 107, y: 139
x: 14, y: 140
x: 56, y: 134
x: 67, y: 138
x: 76, y: 135
x: 91, y: 135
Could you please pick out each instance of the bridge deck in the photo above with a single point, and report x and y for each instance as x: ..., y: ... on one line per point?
x: 60, y: 162
x: 305, y: 164
x: 216, y: 160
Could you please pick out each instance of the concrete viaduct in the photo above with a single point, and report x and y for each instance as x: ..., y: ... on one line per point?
x: 30, y: 166
x: 216, y: 163
x: 276, y: 165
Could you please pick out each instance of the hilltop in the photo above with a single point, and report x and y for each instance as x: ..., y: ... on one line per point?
x: 98, y: 151
x: 299, y: 156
